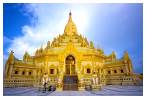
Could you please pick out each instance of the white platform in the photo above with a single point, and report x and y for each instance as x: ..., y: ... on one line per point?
x: 106, y: 91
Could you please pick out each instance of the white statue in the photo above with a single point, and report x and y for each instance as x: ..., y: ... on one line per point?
x: 45, y: 79
x: 59, y: 80
x: 95, y: 79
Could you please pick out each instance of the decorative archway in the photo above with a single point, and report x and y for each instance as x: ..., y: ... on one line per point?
x: 70, y: 65
x: 70, y: 80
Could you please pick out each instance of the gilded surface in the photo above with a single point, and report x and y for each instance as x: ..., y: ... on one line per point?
x: 70, y: 55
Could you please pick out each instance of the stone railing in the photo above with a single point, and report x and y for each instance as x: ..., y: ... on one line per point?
x: 19, y: 83
x: 123, y: 80
x: 87, y: 81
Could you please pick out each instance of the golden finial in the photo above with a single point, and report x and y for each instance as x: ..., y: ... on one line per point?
x: 70, y: 12
x: 12, y: 51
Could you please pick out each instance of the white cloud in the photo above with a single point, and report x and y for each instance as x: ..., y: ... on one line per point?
x: 47, y: 21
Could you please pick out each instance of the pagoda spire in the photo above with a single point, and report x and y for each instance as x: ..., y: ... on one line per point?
x: 70, y: 28
x: 126, y: 56
x: 70, y: 17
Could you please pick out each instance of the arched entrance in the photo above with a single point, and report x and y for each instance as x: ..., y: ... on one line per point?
x: 70, y: 65
x: 70, y: 81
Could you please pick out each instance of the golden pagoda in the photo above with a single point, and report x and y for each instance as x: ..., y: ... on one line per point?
x: 70, y: 62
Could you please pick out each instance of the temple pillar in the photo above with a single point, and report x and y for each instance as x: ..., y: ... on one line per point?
x: 10, y: 71
x: 130, y: 68
x: 7, y: 70
x: 100, y: 75
x: 78, y: 67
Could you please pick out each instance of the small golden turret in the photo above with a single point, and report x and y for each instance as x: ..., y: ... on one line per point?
x: 11, y: 58
x: 126, y: 56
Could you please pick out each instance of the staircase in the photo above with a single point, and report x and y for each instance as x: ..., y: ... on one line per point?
x: 70, y: 82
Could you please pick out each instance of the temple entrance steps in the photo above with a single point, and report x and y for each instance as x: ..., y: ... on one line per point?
x: 70, y: 82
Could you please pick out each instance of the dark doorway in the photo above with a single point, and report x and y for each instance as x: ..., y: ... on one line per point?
x: 70, y: 80
x: 70, y: 65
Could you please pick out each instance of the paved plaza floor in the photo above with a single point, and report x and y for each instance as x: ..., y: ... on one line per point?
x: 106, y: 91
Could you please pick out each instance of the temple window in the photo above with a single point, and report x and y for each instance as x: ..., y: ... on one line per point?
x: 16, y: 72
x: 30, y: 73
x: 23, y: 72
x: 88, y: 70
x: 115, y: 71
x: 51, y: 71
x: 122, y: 71
x: 109, y: 72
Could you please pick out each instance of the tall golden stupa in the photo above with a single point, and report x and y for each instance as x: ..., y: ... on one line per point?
x: 69, y: 62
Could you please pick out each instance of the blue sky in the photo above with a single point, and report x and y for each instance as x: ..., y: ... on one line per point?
x: 112, y: 27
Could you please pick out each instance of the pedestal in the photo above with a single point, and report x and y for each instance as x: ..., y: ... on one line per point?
x: 81, y: 88
x: 96, y: 87
x: 59, y: 87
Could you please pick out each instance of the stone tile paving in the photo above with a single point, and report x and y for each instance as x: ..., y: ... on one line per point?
x: 106, y: 91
